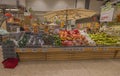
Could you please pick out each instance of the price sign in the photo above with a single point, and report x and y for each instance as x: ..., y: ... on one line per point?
x: 107, y: 13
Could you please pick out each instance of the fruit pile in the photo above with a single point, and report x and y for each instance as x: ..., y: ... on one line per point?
x: 48, y: 39
x: 104, y: 39
x: 57, y: 40
x: 23, y: 41
x: 72, y: 38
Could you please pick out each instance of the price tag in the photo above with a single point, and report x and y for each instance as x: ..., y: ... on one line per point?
x: 65, y: 49
x: 70, y: 49
x: 81, y: 49
x: 44, y: 49
x: 76, y: 49
x: 34, y: 50
x: 22, y: 49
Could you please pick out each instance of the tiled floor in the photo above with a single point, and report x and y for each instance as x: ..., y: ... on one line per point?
x: 64, y: 68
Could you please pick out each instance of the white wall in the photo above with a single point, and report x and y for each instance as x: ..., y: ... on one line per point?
x: 13, y: 2
x: 48, y: 5
x: 22, y: 2
x: 8, y: 2
x: 81, y: 4
x: 95, y: 5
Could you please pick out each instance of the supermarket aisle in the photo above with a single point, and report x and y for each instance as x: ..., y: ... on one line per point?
x: 64, y: 68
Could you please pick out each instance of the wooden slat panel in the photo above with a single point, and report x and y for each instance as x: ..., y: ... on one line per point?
x: 118, y: 54
x: 58, y: 56
x: 66, y: 53
x: 32, y: 56
x: 31, y: 59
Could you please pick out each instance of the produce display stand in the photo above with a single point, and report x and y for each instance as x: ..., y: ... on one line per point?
x: 66, y: 44
x: 67, y: 53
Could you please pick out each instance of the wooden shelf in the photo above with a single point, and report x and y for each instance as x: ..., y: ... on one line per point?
x: 29, y: 54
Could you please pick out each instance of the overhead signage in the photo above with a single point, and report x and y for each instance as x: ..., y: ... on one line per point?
x: 106, y: 13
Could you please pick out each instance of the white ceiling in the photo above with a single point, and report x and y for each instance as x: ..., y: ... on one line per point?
x: 48, y: 5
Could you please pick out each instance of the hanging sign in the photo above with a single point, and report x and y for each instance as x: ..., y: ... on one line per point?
x: 107, y: 16
x: 107, y: 13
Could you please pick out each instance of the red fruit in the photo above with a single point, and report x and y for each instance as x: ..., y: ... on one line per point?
x: 69, y: 43
x: 68, y: 32
x: 8, y: 14
x: 81, y: 43
x: 76, y: 31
